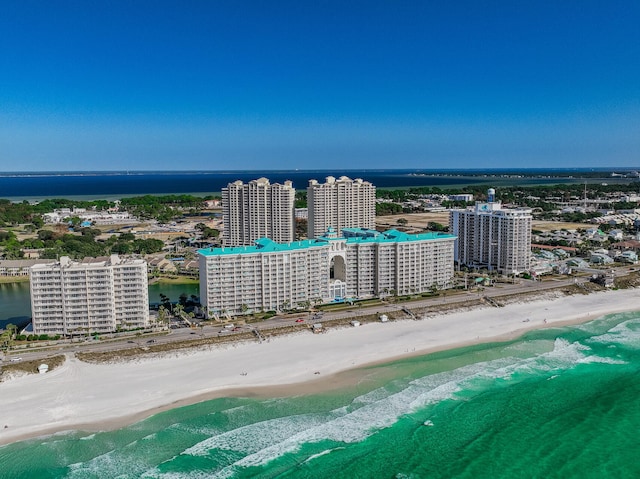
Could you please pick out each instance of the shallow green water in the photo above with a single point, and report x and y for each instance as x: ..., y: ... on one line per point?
x: 556, y: 403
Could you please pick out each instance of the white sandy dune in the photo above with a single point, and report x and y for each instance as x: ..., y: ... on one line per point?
x: 79, y: 395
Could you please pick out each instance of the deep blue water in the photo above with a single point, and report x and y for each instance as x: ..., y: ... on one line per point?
x: 113, y: 184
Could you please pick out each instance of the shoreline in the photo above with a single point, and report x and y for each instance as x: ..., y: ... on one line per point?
x: 98, y: 397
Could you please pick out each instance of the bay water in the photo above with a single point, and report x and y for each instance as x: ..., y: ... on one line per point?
x: 556, y: 403
x: 15, y: 302
x: 112, y: 185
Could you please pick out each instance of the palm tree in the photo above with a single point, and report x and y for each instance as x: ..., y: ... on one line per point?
x: 163, y: 317
x: 165, y: 301
x: 7, y: 337
x: 285, y: 305
x: 178, y: 309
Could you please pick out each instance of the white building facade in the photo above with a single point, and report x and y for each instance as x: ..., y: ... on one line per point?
x: 362, y: 264
x: 256, y: 210
x: 340, y: 203
x: 492, y: 237
x: 96, y: 295
x: 94, y: 216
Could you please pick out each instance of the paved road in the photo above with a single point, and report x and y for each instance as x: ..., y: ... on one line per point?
x: 182, y: 334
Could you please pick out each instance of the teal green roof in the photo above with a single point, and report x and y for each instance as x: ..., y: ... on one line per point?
x: 265, y: 245
x: 395, y: 236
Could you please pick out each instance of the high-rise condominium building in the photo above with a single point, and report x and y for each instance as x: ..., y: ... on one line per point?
x: 341, y: 203
x: 492, y: 237
x: 360, y: 264
x: 95, y: 295
x: 256, y: 210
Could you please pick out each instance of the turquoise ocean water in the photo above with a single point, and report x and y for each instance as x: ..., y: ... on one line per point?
x: 557, y: 403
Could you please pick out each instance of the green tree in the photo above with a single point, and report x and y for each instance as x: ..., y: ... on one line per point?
x: 7, y: 337
x: 163, y: 316
x: 182, y: 299
x: 165, y: 302
x: 37, y: 221
x: 74, y: 221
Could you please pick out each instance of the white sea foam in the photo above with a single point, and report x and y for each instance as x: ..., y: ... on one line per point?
x: 253, y: 437
x: 109, y: 465
x: 265, y: 441
x: 203, y: 430
x: 598, y: 359
x: 323, y: 453
x: 341, y: 425
x: 155, y: 474
x: 626, y: 334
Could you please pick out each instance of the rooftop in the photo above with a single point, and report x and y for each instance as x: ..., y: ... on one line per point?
x: 355, y: 235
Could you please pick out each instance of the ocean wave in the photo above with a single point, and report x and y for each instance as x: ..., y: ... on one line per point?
x: 625, y: 334
x: 262, y: 442
x: 111, y: 464
x: 323, y: 453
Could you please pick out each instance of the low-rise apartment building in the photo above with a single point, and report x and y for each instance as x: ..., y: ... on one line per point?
x: 20, y: 267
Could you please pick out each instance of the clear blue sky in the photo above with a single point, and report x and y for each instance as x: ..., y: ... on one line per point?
x: 112, y: 85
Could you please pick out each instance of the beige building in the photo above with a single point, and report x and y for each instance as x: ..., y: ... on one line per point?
x: 340, y: 203
x: 256, y: 210
x: 492, y: 237
x: 95, y: 295
x: 20, y: 267
x: 360, y: 264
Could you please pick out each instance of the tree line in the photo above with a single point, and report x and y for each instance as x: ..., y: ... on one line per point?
x: 77, y: 246
x: 162, y: 208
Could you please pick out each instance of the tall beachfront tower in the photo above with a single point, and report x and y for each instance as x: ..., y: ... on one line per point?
x: 256, y: 210
x: 490, y: 236
x: 93, y: 296
x: 341, y: 203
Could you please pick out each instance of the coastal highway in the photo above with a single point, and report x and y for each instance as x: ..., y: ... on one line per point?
x: 208, y: 331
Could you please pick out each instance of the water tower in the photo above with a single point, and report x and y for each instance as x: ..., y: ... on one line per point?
x: 491, y: 195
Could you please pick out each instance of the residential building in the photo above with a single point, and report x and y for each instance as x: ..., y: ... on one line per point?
x: 256, y: 210
x: 302, y: 213
x: 340, y: 203
x: 600, y: 258
x: 20, y: 267
x: 492, y: 237
x: 96, y: 295
x: 461, y: 197
x: 628, y: 257
x: 362, y: 263
x: 97, y: 217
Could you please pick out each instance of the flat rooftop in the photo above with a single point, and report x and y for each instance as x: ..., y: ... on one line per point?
x: 355, y: 236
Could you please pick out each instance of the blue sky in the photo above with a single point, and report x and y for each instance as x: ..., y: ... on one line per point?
x: 157, y: 85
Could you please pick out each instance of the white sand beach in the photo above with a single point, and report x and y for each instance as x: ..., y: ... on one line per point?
x: 79, y: 395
